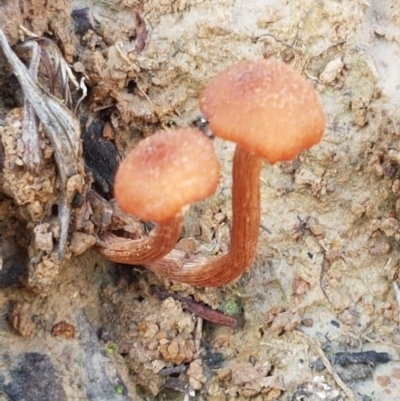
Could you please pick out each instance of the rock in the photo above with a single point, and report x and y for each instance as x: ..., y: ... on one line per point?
x: 224, y: 374
x: 245, y: 372
x: 43, y: 237
x: 59, y: 369
x: 20, y: 317
x: 285, y: 321
x: 331, y: 71
x: 30, y: 377
x: 359, y: 110
x: 196, y: 376
x: 383, y: 381
x: 80, y: 242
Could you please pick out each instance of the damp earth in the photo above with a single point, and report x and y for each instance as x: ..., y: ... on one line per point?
x: 317, y: 315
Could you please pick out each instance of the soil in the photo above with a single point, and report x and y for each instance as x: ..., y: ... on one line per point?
x: 325, y: 278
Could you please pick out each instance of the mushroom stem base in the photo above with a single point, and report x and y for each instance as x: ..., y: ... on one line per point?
x: 203, y: 272
x: 144, y: 250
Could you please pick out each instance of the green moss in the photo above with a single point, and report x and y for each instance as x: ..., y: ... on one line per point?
x: 231, y: 307
x: 118, y: 389
x: 110, y: 348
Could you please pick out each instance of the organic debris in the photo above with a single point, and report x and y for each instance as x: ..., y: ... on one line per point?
x: 62, y: 129
x: 349, y: 185
x: 370, y: 358
x: 203, y: 311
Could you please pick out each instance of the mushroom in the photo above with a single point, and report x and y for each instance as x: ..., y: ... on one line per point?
x: 272, y: 113
x: 160, y: 176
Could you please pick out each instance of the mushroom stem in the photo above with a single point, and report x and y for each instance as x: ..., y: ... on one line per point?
x: 144, y: 250
x: 203, y: 272
x: 158, y: 178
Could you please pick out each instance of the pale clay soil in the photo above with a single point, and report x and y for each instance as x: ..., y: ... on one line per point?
x: 328, y: 250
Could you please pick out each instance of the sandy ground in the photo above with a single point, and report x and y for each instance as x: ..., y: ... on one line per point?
x: 326, y: 269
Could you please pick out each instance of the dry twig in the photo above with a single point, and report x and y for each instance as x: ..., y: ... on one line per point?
x: 30, y: 136
x: 63, y: 130
x: 316, y: 347
x: 201, y: 310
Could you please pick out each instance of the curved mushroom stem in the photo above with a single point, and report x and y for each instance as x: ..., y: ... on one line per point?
x: 203, y: 272
x: 144, y: 250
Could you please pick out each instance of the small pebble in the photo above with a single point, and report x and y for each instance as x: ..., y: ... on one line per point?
x: 383, y: 380
x: 396, y: 373
x: 307, y: 322
x: 224, y: 374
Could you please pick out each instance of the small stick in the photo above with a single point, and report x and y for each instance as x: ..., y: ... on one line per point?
x: 2, y: 156
x: 142, y: 32
x: 201, y: 310
x: 30, y: 136
x: 315, y: 346
x: 366, y: 357
x: 84, y: 93
x: 119, y: 46
x: 173, y: 370
x: 198, y: 333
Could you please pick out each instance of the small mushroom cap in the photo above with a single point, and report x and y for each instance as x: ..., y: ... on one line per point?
x: 265, y: 107
x: 165, y: 172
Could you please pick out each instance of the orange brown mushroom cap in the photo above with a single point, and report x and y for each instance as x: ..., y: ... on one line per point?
x: 265, y: 107
x: 165, y: 172
x: 161, y: 175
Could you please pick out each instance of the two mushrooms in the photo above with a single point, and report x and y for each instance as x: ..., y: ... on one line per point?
x: 271, y: 112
